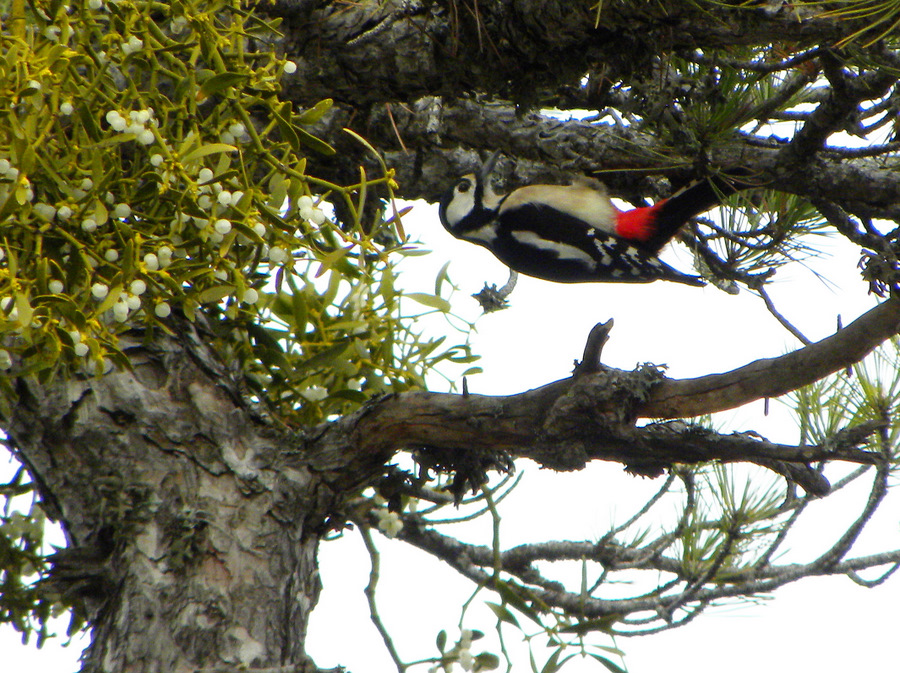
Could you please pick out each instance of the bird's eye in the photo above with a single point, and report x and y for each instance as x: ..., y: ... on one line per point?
x: 464, y: 186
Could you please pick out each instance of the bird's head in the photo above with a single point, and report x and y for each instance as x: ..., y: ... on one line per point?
x: 472, y: 202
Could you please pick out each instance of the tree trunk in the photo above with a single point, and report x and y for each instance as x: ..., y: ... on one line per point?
x: 193, y: 522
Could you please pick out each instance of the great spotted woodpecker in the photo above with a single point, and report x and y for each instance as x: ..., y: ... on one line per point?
x: 573, y: 233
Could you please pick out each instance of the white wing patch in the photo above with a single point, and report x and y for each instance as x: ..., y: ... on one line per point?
x: 605, y: 258
x: 561, y: 250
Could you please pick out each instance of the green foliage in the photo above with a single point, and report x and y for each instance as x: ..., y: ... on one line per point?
x: 21, y: 540
x: 869, y: 391
x: 722, y: 535
x: 134, y: 182
x: 148, y: 170
x: 461, y: 653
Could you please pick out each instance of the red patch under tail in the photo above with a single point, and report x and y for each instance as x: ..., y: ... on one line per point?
x: 638, y: 224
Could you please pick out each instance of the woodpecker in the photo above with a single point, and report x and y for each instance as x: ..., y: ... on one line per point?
x: 573, y: 233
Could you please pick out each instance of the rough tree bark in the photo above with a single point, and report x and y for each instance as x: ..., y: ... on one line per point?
x: 192, y: 522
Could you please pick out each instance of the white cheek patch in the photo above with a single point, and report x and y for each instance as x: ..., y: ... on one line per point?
x: 561, y: 250
x: 460, y: 205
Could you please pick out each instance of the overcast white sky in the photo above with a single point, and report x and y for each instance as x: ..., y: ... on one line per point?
x: 826, y: 625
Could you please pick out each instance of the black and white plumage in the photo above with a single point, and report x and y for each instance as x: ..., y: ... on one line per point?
x: 571, y: 233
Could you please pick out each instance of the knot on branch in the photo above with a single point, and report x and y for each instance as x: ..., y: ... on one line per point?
x: 592, y: 412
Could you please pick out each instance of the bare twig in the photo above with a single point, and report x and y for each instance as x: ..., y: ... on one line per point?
x: 761, y: 289
x: 374, y: 573
x: 756, y: 579
x: 764, y: 66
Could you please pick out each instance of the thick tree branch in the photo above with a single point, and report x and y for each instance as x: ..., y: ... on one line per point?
x: 566, y: 423
x: 362, y: 52
x: 545, y: 149
x: 772, y: 377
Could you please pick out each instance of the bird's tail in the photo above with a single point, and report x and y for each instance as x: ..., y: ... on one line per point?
x: 671, y: 214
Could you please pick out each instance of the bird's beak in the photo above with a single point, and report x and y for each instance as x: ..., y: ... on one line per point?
x: 488, y: 166
x: 489, y: 197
